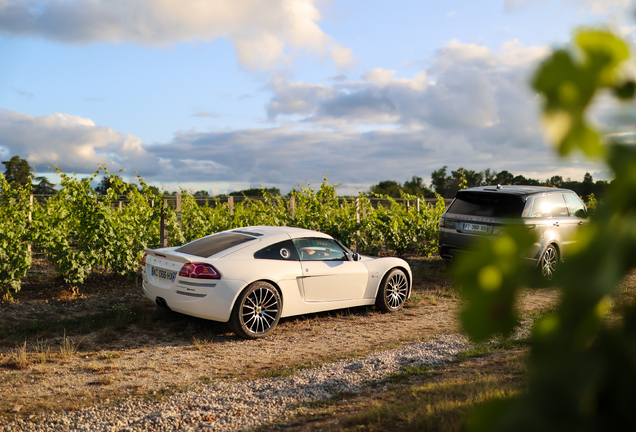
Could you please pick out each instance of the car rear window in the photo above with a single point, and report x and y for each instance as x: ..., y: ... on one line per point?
x: 487, y: 205
x: 212, y: 245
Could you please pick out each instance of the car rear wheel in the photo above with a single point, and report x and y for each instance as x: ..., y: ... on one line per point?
x: 393, y: 291
x: 257, y: 311
x: 549, y: 262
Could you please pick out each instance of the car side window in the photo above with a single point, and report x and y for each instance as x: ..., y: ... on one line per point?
x: 319, y: 250
x: 540, y: 207
x: 282, y: 251
x: 557, y: 205
x: 577, y: 208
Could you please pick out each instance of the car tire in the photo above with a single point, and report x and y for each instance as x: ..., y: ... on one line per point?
x: 393, y: 291
x: 256, y: 311
x: 549, y: 262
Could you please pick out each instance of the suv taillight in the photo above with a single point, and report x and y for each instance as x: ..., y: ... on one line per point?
x: 199, y: 271
x: 143, y: 260
x: 441, y: 222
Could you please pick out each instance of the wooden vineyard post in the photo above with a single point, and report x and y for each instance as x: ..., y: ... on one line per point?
x: 230, y: 203
x: 292, y: 206
x: 121, y: 206
x: 358, y: 224
x: 179, y: 209
x: 417, y: 205
x: 163, y: 230
x: 30, y: 218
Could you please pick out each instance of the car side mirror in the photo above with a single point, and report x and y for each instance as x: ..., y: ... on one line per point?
x: 355, y: 256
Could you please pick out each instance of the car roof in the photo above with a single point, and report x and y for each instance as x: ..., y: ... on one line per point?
x: 521, y: 190
x: 273, y: 231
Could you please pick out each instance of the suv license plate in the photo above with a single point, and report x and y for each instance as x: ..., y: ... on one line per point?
x: 475, y: 227
x: 165, y: 275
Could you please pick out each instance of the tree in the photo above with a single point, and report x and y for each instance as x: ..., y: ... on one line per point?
x: 488, y: 177
x: 105, y: 184
x: 504, y: 178
x: 256, y: 192
x: 43, y: 186
x: 18, y: 171
x: 555, y: 181
x: 387, y: 187
x: 201, y: 194
x: 440, y: 182
x: 154, y: 190
x: 588, y: 185
x: 416, y: 186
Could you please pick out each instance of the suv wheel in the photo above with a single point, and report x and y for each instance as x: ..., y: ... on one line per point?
x: 549, y: 262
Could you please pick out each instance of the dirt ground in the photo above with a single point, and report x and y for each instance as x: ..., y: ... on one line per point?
x: 53, y: 355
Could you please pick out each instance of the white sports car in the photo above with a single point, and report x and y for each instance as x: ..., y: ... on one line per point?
x: 253, y: 276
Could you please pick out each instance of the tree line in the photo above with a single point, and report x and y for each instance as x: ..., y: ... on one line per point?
x: 447, y: 185
x: 19, y: 171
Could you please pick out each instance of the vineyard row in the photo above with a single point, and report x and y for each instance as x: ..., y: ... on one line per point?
x: 77, y: 230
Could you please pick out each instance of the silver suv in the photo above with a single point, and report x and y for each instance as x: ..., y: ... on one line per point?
x: 556, y: 214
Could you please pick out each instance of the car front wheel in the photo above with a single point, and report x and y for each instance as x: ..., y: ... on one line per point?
x: 393, y: 291
x: 257, y: 311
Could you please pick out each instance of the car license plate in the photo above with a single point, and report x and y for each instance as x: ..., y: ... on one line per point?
x: 165, y: 275
x: 475, y: 227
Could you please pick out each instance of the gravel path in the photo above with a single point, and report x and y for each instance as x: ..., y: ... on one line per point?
x: 228, y: 405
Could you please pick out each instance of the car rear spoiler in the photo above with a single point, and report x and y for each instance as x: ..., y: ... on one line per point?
x: 169, y: 255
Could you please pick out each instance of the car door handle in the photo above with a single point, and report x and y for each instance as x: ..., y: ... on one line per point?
x: 556, y: 224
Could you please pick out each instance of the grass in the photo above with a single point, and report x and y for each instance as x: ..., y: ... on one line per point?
x: 19, y: 358
x: 68, y: 347
x: 108, y: 323
x: 43, y: 351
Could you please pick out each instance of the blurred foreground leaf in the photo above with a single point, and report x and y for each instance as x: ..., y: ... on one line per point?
x: 582, y: 367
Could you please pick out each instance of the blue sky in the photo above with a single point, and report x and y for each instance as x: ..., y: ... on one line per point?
x: 224, y: 95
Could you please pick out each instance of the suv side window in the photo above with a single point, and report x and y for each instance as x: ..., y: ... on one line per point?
x: 540, y: 208
x: 319, y: 250
x: 557, y: 205
x: 577, y: 208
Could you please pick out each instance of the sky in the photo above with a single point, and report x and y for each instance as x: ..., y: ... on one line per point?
x: 224, y: 95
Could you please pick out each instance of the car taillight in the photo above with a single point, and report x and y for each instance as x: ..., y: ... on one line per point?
x: 199, y: 271
x: 143, y: 260
x: 441, y: 222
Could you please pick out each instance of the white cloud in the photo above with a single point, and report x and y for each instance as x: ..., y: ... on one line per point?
x: 283, y: 157
x: 264, y: 32
x: 604, y: 7
x: 466, y: 86
x: 72, y: 143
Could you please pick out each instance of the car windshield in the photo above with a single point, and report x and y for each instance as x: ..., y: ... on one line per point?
x: 487, y: 205
x: 212, y: 245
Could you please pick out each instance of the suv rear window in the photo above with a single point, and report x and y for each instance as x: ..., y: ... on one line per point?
x: 487, y: 205
x: 212, y: 245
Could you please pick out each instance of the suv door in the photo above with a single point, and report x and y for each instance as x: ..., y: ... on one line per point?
x: 577, y: 218
x: 548, y: 213
x: 564, y: 226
